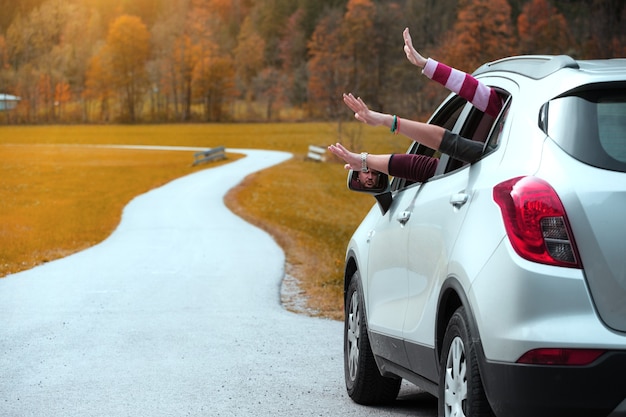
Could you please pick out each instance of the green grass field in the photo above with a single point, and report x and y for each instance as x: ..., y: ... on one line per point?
x: 57, y: 200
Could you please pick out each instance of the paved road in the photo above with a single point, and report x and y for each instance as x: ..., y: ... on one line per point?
x: 177, y: 313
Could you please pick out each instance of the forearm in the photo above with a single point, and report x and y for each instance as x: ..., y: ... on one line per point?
x: 424, y: 133
x: 413, y: 167
x: 484, y: 98
x: 461, y: 148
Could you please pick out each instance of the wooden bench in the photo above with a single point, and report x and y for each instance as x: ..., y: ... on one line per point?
x: 209, y: 155
x: 316, y: 153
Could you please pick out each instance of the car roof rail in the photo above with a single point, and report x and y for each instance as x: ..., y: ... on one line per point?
x: 531, y: 66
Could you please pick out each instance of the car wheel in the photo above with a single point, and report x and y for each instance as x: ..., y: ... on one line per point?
x: 461, y: 391
x: 364, y: 383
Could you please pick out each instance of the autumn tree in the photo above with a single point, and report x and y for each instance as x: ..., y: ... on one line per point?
x: 4, y: 65
x: 249, y: 56
x: 98, y: 83
x: 483, y: 32
x: 270, y: 18
x: 292, y: 50
x: 429, y: 20
x: 214, y: 85
x: 357, y: 30
x: 168, y: 34
x: 186, y: 57
x: 81, y: 38
x: 128, y: 45
x: 606, y: 20
x: 279, y: 53
x: 396, y: 81
x: 222, y: 18
x: 33, y: 41
x: 543, y: 30
x: 328, y: 67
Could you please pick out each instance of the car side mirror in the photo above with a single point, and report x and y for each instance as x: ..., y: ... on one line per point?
x: 371, y: 182
x: 375, y: 183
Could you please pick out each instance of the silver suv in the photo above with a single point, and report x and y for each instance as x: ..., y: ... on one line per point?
x: 500, y: 286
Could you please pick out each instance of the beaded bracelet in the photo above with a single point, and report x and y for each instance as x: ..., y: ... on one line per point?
x: 394, y: 125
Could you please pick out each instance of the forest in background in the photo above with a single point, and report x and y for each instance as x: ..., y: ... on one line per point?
x: 148, y: 61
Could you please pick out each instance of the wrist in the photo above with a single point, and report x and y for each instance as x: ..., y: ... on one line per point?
x: 389, y: 120
x: 364, y: 167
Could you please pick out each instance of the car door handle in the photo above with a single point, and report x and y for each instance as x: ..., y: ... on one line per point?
x: 458, y: 199
x: 403, y: 217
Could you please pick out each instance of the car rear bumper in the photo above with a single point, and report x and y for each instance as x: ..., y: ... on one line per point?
x: 540, y: 390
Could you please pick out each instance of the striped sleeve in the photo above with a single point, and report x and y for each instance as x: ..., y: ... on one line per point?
x: 484, y: 98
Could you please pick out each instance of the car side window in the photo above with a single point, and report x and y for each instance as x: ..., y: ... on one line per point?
x: 496, y: 131
x: 481, y: 127
x: 446, y: 117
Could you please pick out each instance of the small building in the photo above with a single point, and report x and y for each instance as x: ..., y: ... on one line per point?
x: 8, y: 102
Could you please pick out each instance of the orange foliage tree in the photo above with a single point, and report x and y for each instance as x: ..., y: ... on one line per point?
x: 483, y: 32
x: 128, y: 45
x: 98, y: 84
x: 249, y: 58
x: 214, y: 80
x: 186, y: 57
x: 358, y: 35
x: 328, y: 68
x: 62, y: 95
x: 607, y: 37
x: 292, y: 55
x: 543, y: 30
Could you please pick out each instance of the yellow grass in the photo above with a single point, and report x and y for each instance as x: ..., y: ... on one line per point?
x: 57, y: 200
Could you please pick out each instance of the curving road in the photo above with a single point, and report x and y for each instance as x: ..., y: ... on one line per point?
x: 177, y: 313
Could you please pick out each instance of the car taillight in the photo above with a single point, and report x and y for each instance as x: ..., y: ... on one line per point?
x: 558, y: 356
x: 535, y: 221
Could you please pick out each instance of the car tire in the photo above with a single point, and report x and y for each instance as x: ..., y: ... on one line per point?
x: 364, y: 383
x: 461, y: 391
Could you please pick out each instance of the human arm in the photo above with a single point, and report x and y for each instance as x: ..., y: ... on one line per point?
x: 413, y: 167
x: 353, y: 161
x: 481, y: 96
x: 432, y: 136
x: 426, y: 134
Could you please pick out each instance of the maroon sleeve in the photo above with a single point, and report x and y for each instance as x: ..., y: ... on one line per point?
x: 413, y: 167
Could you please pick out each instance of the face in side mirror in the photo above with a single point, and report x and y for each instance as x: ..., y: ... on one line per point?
x: 372, y: 182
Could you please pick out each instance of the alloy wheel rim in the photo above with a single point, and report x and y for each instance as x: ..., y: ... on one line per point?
x: 354, y: 327
x: 456, y: 379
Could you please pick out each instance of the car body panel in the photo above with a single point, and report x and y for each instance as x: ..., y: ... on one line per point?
x: 387, y: 283
x: 438, y: 211
x: 595, y: 200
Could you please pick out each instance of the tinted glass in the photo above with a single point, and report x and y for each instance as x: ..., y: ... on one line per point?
x: 591, y: 126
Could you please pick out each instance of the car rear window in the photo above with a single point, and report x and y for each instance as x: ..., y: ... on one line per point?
x: 590, y: 125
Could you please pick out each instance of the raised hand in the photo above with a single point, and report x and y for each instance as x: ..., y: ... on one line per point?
x: 362, y: 112
x: 412, y: 55
x: 353, y: 160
